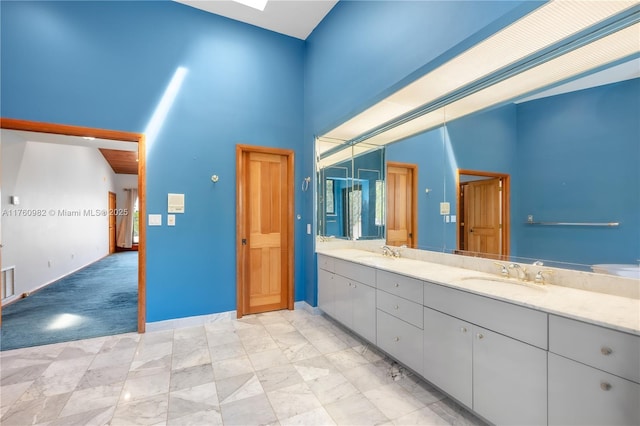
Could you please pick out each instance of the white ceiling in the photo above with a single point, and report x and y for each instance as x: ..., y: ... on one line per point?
x: 295, y: 18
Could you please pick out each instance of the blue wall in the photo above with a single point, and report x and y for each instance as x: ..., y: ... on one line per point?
x: 578, y: 161
x: 107, y: 65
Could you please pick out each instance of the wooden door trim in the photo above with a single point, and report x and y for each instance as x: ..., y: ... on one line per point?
x: 506, y: 206
x: 241, y: 150
x: 69, y: 130
x: 414, y: 195
x: 115, y: 226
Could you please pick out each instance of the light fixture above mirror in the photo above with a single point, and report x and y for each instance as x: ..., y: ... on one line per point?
x: 516, y: 61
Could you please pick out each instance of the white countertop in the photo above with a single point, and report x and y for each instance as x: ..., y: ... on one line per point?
x: 616, y: 312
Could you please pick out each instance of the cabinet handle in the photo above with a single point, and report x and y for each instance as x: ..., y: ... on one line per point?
x: 480, y: 336
x: 463, y: 329
x: 396, y: 307
x: 606, y: 350
x: 355, y: 285
x: 397, y: 339
x: 397, y: 285
x: 605, y: 386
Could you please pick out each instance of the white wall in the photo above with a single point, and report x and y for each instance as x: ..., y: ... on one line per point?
x: 61, y: 184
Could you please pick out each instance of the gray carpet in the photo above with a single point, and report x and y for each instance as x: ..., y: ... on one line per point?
x: 98, y: 300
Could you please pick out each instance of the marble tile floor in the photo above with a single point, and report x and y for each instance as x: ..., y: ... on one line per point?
x: 285, y: 367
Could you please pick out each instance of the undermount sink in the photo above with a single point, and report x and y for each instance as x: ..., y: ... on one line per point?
x: 376, y: 258
x: 490, y: 280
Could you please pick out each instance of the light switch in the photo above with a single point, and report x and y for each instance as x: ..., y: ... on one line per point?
x: 171, y: 220
x: 155, y: 220
x: 308, y: 229
x: 453, y: 218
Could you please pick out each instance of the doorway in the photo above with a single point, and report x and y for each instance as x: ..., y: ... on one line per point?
x: 402, y: 205
x: 483, y: 209
x: 113, y: 135
x: 264, y: 238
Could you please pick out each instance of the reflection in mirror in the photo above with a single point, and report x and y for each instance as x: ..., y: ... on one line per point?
x: 351, y: 196
x: 572, y: 158
x: 483, y: 203
x: 559, y: 120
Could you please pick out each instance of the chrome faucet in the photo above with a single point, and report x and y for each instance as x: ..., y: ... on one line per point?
x: 522, y: 271
x: 503, y: 269
x: 389, y: 251
x: 539, y: 278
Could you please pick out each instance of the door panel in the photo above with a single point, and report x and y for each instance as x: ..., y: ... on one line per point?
x: 482, y: 216
x: 401, y: 204
x: 264, y: 204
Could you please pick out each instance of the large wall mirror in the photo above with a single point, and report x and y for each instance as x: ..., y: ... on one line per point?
x: 551, y: 174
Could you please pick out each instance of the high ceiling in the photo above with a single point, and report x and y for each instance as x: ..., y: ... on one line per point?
x: 122, y: 156
x: 295, y: 18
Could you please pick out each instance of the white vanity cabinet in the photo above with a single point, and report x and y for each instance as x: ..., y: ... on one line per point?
x: 594, y: 374
x: 500, y: 377
x: 343, y: 293
x: 509, y: 363
x: 399, y: 318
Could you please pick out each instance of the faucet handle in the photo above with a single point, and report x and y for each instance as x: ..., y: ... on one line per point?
x: 503, y: 269
x: 539, y: 278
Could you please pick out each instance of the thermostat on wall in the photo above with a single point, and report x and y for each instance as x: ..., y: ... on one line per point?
x: 175, y: 203
x: 444, y: 208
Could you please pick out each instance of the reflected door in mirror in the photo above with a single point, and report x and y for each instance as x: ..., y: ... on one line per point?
x: 482, y: 217
x: 402, y: 188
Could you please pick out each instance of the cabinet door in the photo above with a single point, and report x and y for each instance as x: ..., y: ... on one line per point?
x: 343, y: 310
x: 509, y: 380
x: 364, y: 310
x: 583, y: 395
x: 401, y: 340
x: 326, y: 291
x: 448, y: 354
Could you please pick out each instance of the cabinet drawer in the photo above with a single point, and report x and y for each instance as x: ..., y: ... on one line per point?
x: 355, y: 271
x: 409, y: 288
x: 526, y: 325
x: 609, y: 350
x: 404, y: 309
x: 401, y: 340
x: 582, y: 395
x: 326, y: 263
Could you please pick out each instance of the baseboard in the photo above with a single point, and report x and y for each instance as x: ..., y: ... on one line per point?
x: 204, y: 319
x: 307, y: 307
x: 25, y: 294
x: 189, y: 321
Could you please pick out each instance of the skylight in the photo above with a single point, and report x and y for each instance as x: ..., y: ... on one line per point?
x: 256, y: 4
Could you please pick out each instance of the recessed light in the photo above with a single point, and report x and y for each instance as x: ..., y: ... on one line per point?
x: 256, y: 4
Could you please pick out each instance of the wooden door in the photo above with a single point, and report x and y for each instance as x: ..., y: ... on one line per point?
x: 265, y: 229
x: 482, y: 216
x: 112, y: 223
x: 402, y: 204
